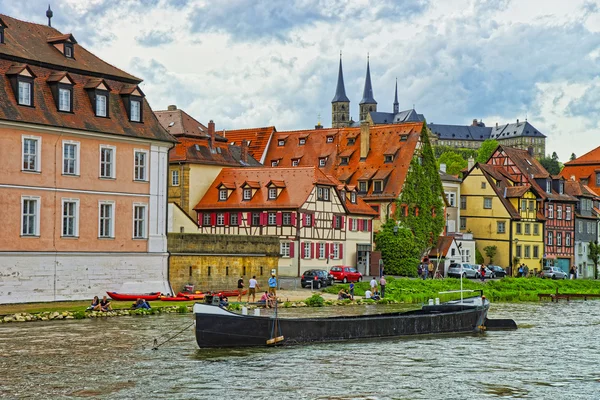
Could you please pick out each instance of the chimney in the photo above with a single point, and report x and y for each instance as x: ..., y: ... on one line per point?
x: 470, y: 163
x: 365, y: 144
x: 223, y: 134
x: 530, y: 151
x: 475, y: 123
x: 517, y: 121
x: 172, y: 107
x: 496, y: 125
x: 211, y: 134
x: 319, y: 126
x: 443, y: 167
x: 244, y: 151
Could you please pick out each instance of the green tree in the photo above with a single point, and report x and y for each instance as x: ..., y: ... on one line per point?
x: 552, y: 165
x: 398, y: 250
x: 464, y: 153
x: 554, y: 156
x: 490, y: 252
x: 594, y: 254
x: 454, y: 162
x: 486, y: 150
x: 573, y: 157
x: 478, y: 257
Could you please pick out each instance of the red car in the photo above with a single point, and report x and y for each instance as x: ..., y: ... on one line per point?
x: 345, y: 274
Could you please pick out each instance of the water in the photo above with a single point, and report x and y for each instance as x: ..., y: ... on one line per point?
x: 553, y: 355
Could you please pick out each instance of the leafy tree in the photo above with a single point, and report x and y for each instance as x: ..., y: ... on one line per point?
x: 464, y: 153
x: 594, y: 254
x: 553, y: 166
x: 490, y: 252
x: 398, y: 250
x: 573, y: 157
x: 454, y: 162
x: 486, y: 150
x: 554, y: 156
x: 478, y: 257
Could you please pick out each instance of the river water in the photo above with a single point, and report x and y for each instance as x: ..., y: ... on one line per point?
x: 553, y: 355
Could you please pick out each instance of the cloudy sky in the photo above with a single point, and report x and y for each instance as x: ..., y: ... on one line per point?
x: 249, y: 63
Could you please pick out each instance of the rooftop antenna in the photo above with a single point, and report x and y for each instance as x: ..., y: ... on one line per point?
x: 49, y: 14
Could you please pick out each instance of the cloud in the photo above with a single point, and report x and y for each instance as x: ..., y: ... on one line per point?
x: 154, y: 38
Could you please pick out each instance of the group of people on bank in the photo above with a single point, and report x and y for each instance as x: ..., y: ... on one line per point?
x: 105, y: 306
x: 268, y: 298
x: 376, y: 291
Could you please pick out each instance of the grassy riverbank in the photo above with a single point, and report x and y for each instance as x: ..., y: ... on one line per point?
x: 75, y: 306
x: 500, y: 290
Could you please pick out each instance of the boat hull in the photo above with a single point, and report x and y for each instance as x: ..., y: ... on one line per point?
x: 133, y: 296
x: 219, y: 328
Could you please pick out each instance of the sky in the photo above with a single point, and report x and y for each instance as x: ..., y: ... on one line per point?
x: 253, y: 63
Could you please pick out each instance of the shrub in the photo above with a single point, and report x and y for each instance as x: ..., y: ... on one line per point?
x: 79, y: 315
x: 315, y: 300
x: 182, y: 309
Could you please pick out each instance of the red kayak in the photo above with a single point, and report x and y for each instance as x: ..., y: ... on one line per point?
x: 177, y: 298
x: 191, y: 296
x: 230, y: 293
x: 133, y: 296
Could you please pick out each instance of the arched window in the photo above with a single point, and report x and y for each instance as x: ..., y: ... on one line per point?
x: 343, y: 108
x: 370, y: 108
x: 343, y: 117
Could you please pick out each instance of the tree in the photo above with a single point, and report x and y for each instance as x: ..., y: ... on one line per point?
x: 486, y: 150
x: 478, y: 257
x: 553, y: 166
x: 490, y: 251
x: 554, y: 156
x: 573, y: 157
x: 454, y: 162
x: 594, y: 254
x: 398, y: 250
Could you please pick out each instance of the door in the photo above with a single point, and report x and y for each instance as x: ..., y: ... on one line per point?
x: 563, y: 264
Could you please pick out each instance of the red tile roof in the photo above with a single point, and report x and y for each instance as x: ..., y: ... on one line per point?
x: 259, y: 139
x: 178, y: 122
x: 381, y: 138
x: 442, y: 247
x: 200, y: 151
x: 584, y: 167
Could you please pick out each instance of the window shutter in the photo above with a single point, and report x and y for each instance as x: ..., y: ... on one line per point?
x: 314, y: 219
x: 227, y: 218
x: 303, y: 217
x: 341, y: 251
x: 343, y: 221
x: 330, y: 245
x: 360, y: 224
x: 292, y: 249
x: 200, y: 216
x: 333, y: 222
x: 370, y: 225
x: 350, y: 223
x: 279, y: 218
x: 265, y: 217
x: 239, y: 219
x: 326, y: 250
x: 293, y: 219
x: 213, y: 219
x: 312, y: 250
x: 249, y: 219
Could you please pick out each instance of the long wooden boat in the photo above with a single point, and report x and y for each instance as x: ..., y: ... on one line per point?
x: 133, y: 296
x: 216, y: 327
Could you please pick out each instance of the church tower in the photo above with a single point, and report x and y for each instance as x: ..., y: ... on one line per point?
x: 340, y: 105
x: 396, y: 105
x: 368, y: 103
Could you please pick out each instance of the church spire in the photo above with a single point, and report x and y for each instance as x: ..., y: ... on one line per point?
x: 340, y: 90
x: 396, y: 105
x: 368, y: 91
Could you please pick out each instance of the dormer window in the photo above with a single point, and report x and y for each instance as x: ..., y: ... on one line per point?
x: 247, y: 194
x: 344, y: 160
x: 25, y: 91
x: 362, y: 186
x: 329, y: 139
x: 281, y: 142
x: 69, y: 50
x: 561, y: 187
x: 64, y: 44
x: 274, y: 163
x: 136, y: 110
x: 322, y: 161
x: 21, y: 79
x: 133, y: 99
x: 101, y: 104
x: 353, y: 197
x: 404, y: 138
x: 377, y: 186
x: 1, y: 32
x: 351, y: 141
x: 295, y: 162
x: 98, y: 92
x: 272, y: 193
x: 389, y: 159
x: 61, y: 86
x: 302, y: 141
x: 223, y: 194
x: 548, y: 186
x: 65, y: 95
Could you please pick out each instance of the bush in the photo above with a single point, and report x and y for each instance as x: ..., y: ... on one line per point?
x: 79, y: 315
x: 182, y: 309
x: 315, y: 300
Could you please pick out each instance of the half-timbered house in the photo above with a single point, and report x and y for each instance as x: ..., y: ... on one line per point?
x: 320, y: 222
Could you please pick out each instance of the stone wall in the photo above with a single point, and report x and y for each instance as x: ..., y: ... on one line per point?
x: 216, y: 262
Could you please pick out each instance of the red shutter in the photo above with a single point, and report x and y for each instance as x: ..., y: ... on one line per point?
x: 326, y: 250
x: 312, y: 250
x: 239, y: 218
x: 330, y: 245
x: 226, y: 218
x: 343, y: 221
x: 341, y: 251
x: 350, y: 223
x: 200, y: 220
x: 303, y: 218
x: 333, y: 222
x: 361, y: 224
x: 314, y: 219
x: 249, y: 219
x: 291, y: 249
x: 293, y: 219
x: 279, y: 218
x: 213, y: 219
x: 370, y: 226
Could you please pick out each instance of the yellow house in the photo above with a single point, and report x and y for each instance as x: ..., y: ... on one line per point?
x: 500, y: 212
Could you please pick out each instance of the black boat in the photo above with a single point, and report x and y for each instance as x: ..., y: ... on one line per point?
x: 216, y: 327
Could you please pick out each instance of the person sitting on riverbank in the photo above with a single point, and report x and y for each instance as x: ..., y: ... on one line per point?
x: 141, y: 304
x: 223, y: 301
x: 95, y: 306
x: 105, y: 304
x: 343, y: 294
x: 375, y: 296
x: 368, y: 294
x: 264, y: 299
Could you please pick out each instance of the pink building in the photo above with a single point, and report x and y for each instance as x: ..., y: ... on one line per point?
x: 84, y: 166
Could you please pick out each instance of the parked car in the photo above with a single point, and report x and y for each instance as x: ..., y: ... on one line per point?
x: 317, y: 278
x: 345, y: 274
x: 554, y: 273
x: 468, y: 270
x: 498, y: 271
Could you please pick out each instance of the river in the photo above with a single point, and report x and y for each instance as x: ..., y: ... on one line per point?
x: 553, y: 355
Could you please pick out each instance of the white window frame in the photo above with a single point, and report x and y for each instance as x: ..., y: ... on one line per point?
x: 174, y: 177
x: 206, y: 220
x: 247, y: 191
x: 567, y: 213
x: 139, y: 169
x: 321, y: 251
x: 451, y: 197
x: 220, y: 219
x: 38, y: 153
x: 326, y: 194
x: 111, y: 234
x: 24, y: 100
x: 558, y: 212
x: 295, y: 162
x: 223, y: 194
x: 567, y: 239
x: 354, y: 225
x: 551, y: 211
x: 353, y: 197
x: 98, y: 103
x: 322, y: 161
x: 272, y: 193
x: 272, y: 218
x: 233, y: 219
x: 329, y: 139
x: 487, y: 200
x: 286, y: 219
x: 64, y: 103
x: 559, y: 238
x: 144, y: 221
x: 336, y: 251
x: 36, y: 222
x: 76, y: 162
x: 113, y: 162
x: 306, y: 250
x: 75, y: 218
x: 284, y: 249
x: 137, y: 117
x: 500, y: 226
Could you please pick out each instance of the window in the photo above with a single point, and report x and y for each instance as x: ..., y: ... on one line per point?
x: 308, y: 219
x: 329, y: 139
x: 523, y: 205
x: 319, y: 193
x: 362, y: 186
x: 451, y: 197
x: 68, y: 50
x: 597, y: 178
x: 549, y: 238
x: 568, y: 213
x: 527, y: 251
x: 70, y: 158
x: 353, y: 197
x: 234, y: 219
x: 1, y: 34
x: 354, y: 224
x: 322, y: 161
x: 255, y: 219
x: 174, y: 177
x: 70, y: 217
x: 106, y: 219
x: 465, y: 255
x: 281, y: 142
x: 101, y: 102
x: 322, y: 251
x: 25, y: 92
x: 206, y: 220
x: 377, y: 186
x: 548, y: 186
x: 344, y: 160
x: 531, y: 206
x: 135, y: 112
x: 568, y: 239
x: 351, y: 141
x: 536, y: 252
x: 302, y: 141
x: 388, y: 159
x: 365, y: 225
x: 559, y: 239
x: 284, y: 249
x: 487, y: 202
x: 326, y: 194
x: 518, y: 251
x: 139, y: 221
x: 286, y: 218
x: 107, y: 161
x: 536, y: 229
x: 519, y: 228
x: 501, y: 226
x: 31, y: 153
x: 295, y: 162
x: 558, y: 212
x: 220, y: 219
x: 64, y: 99
x: 483, y: 185
x: 272, y: 193
x: 337, y: 222
x: 550, y: 211
x: 247, y: 194
x: 463, y: 203
x: 223, y: 194
x: 580, y: 226
x: 274, y: 163
x: 30, y: 216
x: 528, y: 229
x: 272, y: 219
x: 306, y: 250
x: 561, y: 187
x: 140, y: 165
x: 336, y: 251
x: 588, y: 226
x: 463, y: 223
